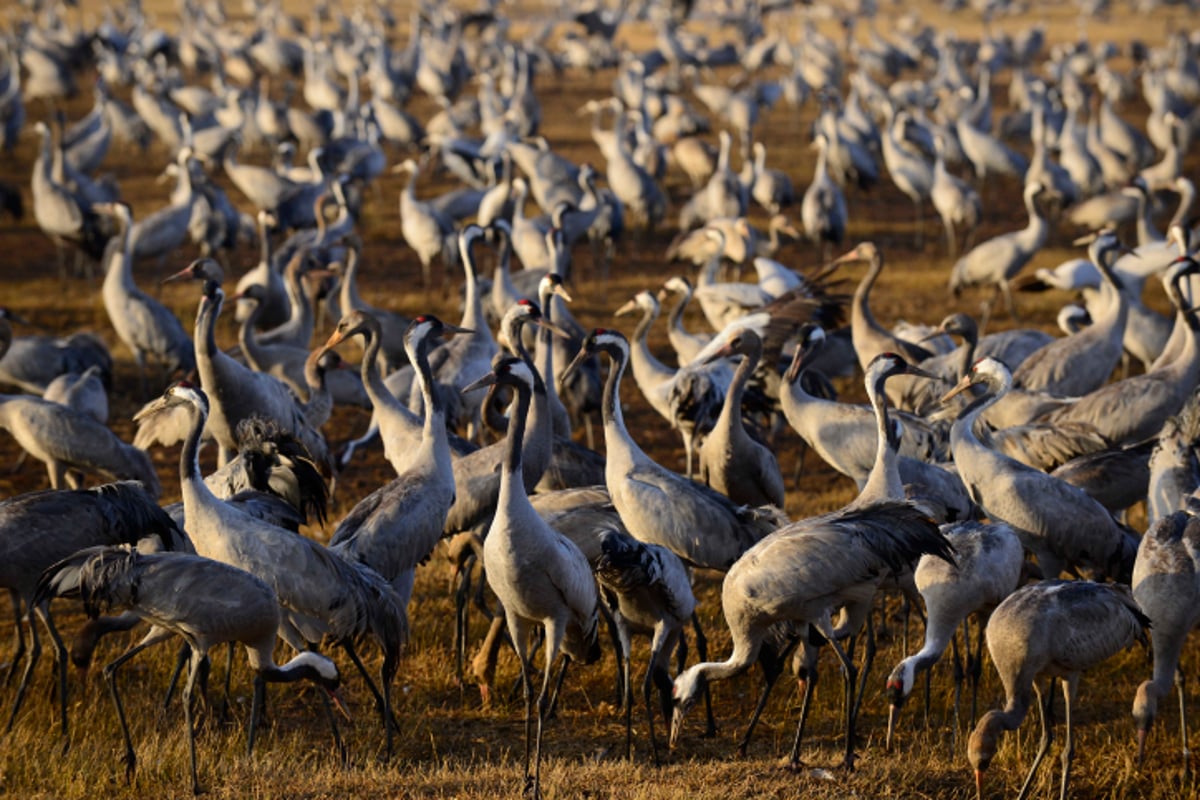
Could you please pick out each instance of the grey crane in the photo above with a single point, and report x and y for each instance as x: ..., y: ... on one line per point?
x: 59, y: 214
x: 321, y: 592
x: 266, y: 189
x: 537, y: 573
x: 1057, y: 522
x: 955, y: 202
x: 800, y: 575
x: 203, y: 601
x: 395, y: 528
x: 771, y: 188
x: 1056, y: 629
x: 144, y: 325
x: 427, y: 232
x: 1134, y: 409
x: 239, y: 392
x: 393, y: 325
x: 31, y: 363
x: 987, y: 568
x: 1173, y: 467
x: 823, y: 208
x: 731, y: 461
x: 687, y: 345
x: 275, y: 307
x: 997, y: 260
x: 871, y: 338
x: 82, y: 391
x: 1166, y: 586
x: 39, y: 528
x: 659, y: 506
x: 70, y: 442
x: 1075, y: 365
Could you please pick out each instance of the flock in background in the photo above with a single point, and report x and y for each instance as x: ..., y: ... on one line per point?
x: 969, y: 457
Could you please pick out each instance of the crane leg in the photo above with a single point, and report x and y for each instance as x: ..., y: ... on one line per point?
x: 951, y: 248
x: 959, y: 674
x: 228, y: 676
x: 180, y: 660
x: 1070, y: 686
x: 552, y: 708
x: 188, y: 723
x: 868, y: 662
x: 850, y: 675
x: 710, y: 728
x: 110, y: 676
x: 657, y: 675
x: 260, y: 696
x: 60, y: 658
x: 1180, y: 685
x: 18, y: 635
x: 35, y: 653
x: 620, y: 643
x: 772, y: 666
x: 483, y: 666
x: 461, y: 613
x: 809, y: 685
x: 382, y: 701
x: 1046, y: 715
x: 975, y: 666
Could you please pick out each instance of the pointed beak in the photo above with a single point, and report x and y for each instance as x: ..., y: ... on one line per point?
x: 487, y: 380
x: 335, y: 338
x: 450, y: 330
x: 542, y: 322
x: 336, y: 698
x: 959, y: 388
x: 579, y: 358
x: 920, y: 373
x: 183, y: 274
x: 676, y: 727
x: 893, y: 715
x: 724, y: 352
x: 562, y: 292
x: 628, y: 308
x: 1141, y: 746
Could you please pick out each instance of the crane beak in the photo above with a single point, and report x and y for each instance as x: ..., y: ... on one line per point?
x: 893, y: 714
x: 542, y: 322
x: 628, y: 308
x: 562, y: 292
x: 959, y: 388
x: 184, y: 274
x: 333, y: 341
x: 920, y: 373
x: 978, y: 784
x: 336, y: 698
x: 724, y: 352
x: 450, y: 330
x: 487, y: 380
x: 579, y: 358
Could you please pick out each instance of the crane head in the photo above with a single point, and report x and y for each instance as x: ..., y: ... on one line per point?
x: 687, y: 689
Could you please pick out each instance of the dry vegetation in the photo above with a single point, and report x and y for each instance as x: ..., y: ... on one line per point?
x: 450, y: 746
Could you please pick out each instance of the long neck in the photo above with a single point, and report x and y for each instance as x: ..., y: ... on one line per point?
x: 675, y: 315
x: 743, y: 655
x: 120, y: 267
x: 512, y: 482
x: 473, y: 306
x: 433, y: 432
x: 616, y: 435
x: 883, y: 482
x: 204, y: 334
x: 862, y: 294
x: 962, y: 432
x: 377, y: 390
x: 646, y: 368
x: 248, y: 339
x: 731, y: 412
x: 351, y: 300
x: 305, y: 666
x: 192, y: 484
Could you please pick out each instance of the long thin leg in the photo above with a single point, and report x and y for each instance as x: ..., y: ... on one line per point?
x: 975, y: 666
x: 1046, y: 714
x: 185, y: 652
x: 18, y: 635
x: 381, y: 703
x: 110, y: 676
x: 957, y: 666
x: 809, y: 685
x: 562, y: 674
x: 710, y: 728
x: 228, y: 677
x: 461, y: 613
x: 61, y: 656
x: 868, y: 662
x: 850, y: 675
x: 1180, y: 685
x: 188, y: 723
x: 1070, y: 686
x: 260, y: 693
x: 35, y: 653
x: 772, y: 666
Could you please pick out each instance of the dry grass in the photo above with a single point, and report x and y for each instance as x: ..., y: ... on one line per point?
x: 452, y: 748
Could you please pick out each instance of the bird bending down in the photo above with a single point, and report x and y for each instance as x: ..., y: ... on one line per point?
x: 204, y: 601
x: 539, y: 575
x: 1166, y: 585
x: 804, y: 572
x: 1053, y: 629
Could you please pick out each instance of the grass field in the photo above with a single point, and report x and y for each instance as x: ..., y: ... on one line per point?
x: 450, y: 746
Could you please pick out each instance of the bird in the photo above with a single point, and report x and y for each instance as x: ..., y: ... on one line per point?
x: 802, y: 573
x: 1057, y: 522
x: 395, y: 528
x: 1166, y: 586
x: 237, y: 391
x: 203, y: 601
x: 955, y: 202
x: 322, y: 592
x: 997, y: 260
x: 870, y: 338
x: 987, y: 564
x: 71, y: 443
x: 823, y: 208
x: 698, y: 524
x: 1052, y: 629
x: 38, y: 529
x: 146, y: 326
x: 539, y: 575
x: 731, y: 461
x: 426, y: 231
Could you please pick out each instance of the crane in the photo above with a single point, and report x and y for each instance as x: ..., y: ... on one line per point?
x: 205, y: 602
x: 539, y: 575
x: 1056, y: 629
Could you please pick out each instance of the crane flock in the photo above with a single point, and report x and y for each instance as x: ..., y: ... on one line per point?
x: 999, y: 483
